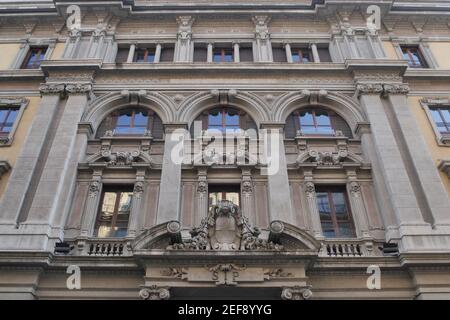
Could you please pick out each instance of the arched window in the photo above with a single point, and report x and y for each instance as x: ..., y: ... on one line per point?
x: 224, y: 119
x: 316, y: 122
x: 132, y: 122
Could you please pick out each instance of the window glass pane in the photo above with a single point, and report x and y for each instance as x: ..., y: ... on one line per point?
x: 436, y: 115
x: 233, y: 197
x: 323, y: 205
x: 322, y: 118
x: 124, y: 119
x: 231, y: 119
x: 3, y: 114
x: 346, y: 230
x: 306, y: 58
x: 150, y: 57
x: 295, y: 57
x: 306, y: 118
x: 217, y: 57
x: 109, y: 202
x: 228, y: 57
x: 339, y: 205
x: 125, y: 203
x: 215, y: 118
x: 328, y: 230
x: 446, y: 115
x: 141, y: 119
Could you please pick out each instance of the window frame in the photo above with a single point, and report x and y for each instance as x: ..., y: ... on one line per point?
x: 25, y: 49
x: 222, y: 51
x: 147, y: 50
x: 313, y: 112
x: 329, y: 190
x: 428, y: 104
x: 301, y: 51
x: 118, y: 190
x: 424, y: 50
x: 20, y: 105
x: 223, y: 119
x: 26, y: 60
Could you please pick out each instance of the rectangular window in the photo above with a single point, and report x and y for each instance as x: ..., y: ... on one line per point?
x: 223, y: 55
x: 414, y: 56
x: 441, y: 117
x: 334, y: 211
x: 301, y: 55
x: 34, y: 57
x: 224, y: 192
x: 114, y: 212
x: 144, y: 55
x: 8, y: 117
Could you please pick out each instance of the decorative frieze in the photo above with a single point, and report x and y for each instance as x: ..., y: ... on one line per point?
x: 78, y: 88
x: 51, y: 88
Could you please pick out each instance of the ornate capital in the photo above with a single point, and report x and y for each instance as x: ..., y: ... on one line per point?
x: 261, y: 27
x: 296, y: 293
x: 94, y: 189
x: 310, y: 189
x: 138, y: 189
x: 202, y: 187
x: 79, y: 88
x: 369, y: 88
x: 355, y: 188
x: 154, y: 293
x: 401, y: 88
x: 51, y: 88
x: 185, y: 27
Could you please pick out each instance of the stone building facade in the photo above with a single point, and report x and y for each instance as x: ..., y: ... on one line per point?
x: 90, y: 115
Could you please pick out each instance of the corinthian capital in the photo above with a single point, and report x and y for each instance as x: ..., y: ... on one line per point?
x: 51, y: 88
x: 79, y: 88
x: 369, y: 88
x: 401, y: 88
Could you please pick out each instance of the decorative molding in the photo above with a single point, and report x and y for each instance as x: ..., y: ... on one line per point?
x: 396, y: 88
x: 154, y: 293
x: 52, y: 88
x: 21, y: 104
x: 79, y: 88
x: 208, y: 237
x: 369, y: 88
x: 296, y: 293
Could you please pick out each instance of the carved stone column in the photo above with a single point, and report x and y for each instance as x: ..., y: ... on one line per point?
x: 137, y: 203
x: 262, y: 47
x: 392, y: 173
x: 311, y: 202
x: 359, y: 211
x: 247, y: 195
x: 280, y: 204
x: 57, y: 182
x: 287, y: 48
x: 236, y: 52
x: 429, y: 184
x: 92, y: 203
x: 170, y: 188
x: 73, y: 40
x: 202, y: 195
x: 19, y: 189
x: 184, y: 47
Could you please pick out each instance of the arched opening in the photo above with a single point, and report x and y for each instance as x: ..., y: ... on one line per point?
x: 224, y: 119
x: 133, y: 122
x: 313, y: 121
